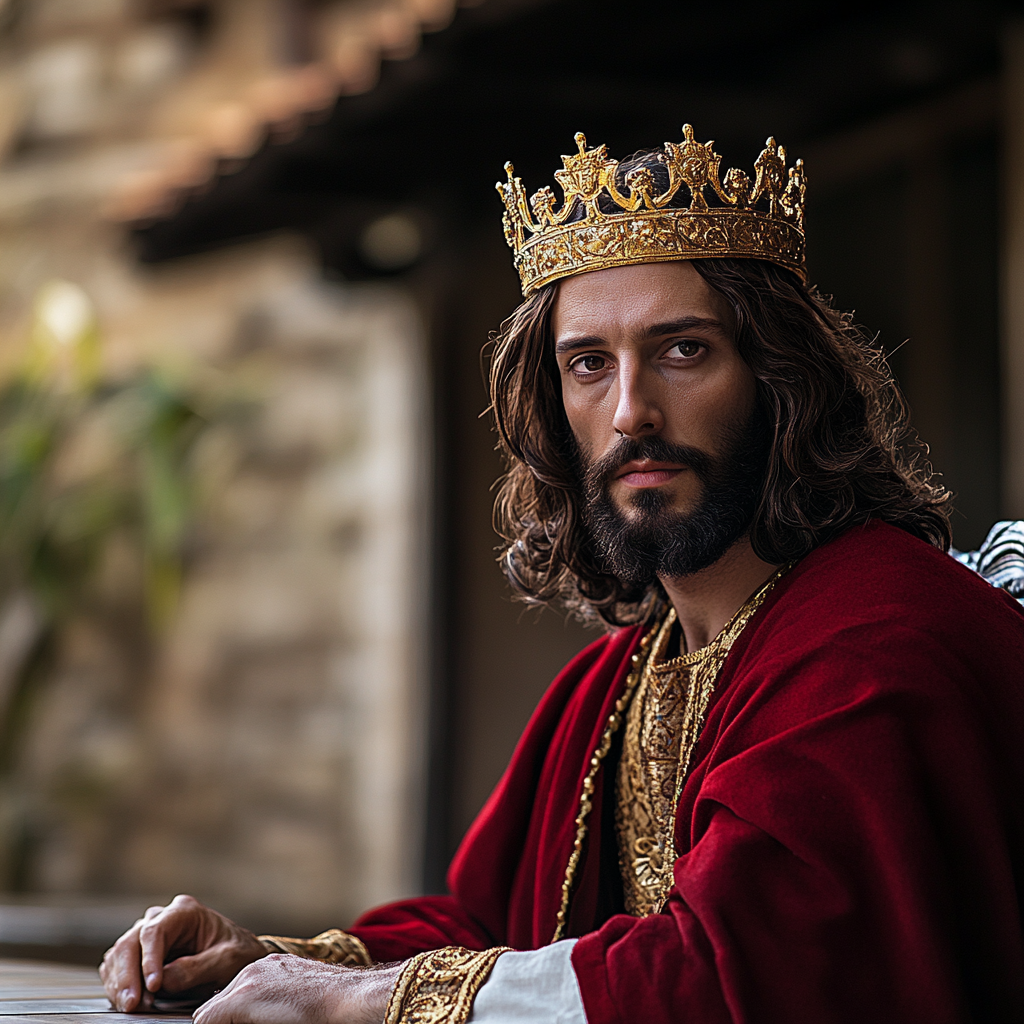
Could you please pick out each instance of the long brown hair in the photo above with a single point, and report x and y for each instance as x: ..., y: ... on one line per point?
x: 842, y: 450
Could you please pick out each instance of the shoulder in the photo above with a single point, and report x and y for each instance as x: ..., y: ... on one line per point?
x: 606, y: 651
x: 879, y: 611
x: 880, y: 575
x: 877, y: 630
x: 586, y: 679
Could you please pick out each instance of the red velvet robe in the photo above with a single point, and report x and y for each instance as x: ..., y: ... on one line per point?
x: 851, y: 834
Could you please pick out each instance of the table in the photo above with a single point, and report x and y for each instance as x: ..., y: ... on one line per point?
x: 39, y: 993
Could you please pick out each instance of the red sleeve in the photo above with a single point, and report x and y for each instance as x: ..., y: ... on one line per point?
x: 848, y: 855
x: 400, y: 930
x: 483, y: 872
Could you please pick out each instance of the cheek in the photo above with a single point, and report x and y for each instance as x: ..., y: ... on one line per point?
x: 584, y: 415
x: 580, y: 427
x: 701, y: 414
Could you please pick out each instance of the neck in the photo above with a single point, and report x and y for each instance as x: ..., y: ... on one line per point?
x: 707, y: 600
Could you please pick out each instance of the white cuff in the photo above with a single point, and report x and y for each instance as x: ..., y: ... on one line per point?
x: 538, y: 987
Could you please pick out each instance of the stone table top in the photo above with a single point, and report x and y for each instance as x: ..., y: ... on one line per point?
x: 58, y: 994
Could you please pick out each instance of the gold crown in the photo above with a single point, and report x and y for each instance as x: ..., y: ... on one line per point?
x: 763, y: 219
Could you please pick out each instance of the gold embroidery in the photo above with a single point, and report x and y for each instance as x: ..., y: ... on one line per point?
x: 333, y: 947
x: 439, y: 987
x: 646, y: 777
x: 614, y: 721
x: 663, y: 724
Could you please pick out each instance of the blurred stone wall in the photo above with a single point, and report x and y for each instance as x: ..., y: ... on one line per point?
x: 268, y: 757
x: 270, y: 763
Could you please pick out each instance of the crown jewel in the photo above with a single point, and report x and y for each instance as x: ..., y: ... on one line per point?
x: 611, y: 219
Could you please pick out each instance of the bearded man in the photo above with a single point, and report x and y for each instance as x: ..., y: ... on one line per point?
x: 786, y: 784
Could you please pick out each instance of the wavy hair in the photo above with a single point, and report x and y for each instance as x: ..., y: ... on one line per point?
x: 842, y: 449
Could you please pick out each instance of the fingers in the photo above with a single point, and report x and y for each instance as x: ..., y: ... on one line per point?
x: 153, y: 945
x: 161, y: 929
x: 212, y: 950
x: 210, y: 967
x: 133, y: 967
x: 120, y: 972
x: 150, y: 914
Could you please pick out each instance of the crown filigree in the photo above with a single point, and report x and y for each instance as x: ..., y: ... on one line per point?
x: 612, y: 217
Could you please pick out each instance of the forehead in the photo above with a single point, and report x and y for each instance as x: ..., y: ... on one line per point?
x: 629, y: 299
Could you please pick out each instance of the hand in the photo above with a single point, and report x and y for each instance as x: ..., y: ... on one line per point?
x: 176, y: 948
x: 286, y: 989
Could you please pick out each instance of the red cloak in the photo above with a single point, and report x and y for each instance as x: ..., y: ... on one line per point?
x: 851, y: 834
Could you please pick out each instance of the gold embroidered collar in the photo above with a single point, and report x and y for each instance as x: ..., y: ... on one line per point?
x: 663, y: 726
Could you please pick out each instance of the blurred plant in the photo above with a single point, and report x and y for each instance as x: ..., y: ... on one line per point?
x: 87, y: 465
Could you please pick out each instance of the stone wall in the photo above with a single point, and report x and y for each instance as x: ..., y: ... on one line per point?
x: 266, y: 754
x: 271, y: 760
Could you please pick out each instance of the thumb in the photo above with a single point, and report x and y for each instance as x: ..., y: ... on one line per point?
x: 213, y: 966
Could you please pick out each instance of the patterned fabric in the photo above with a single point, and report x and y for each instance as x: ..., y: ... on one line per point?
x: 1000, y: 559
x: 332, y: 947
x: 438, y: 987
x: 663, y: 724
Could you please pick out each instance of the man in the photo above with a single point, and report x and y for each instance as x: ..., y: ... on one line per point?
x: 786, y: 785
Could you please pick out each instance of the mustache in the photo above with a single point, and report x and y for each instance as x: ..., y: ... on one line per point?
x: 599, y: 472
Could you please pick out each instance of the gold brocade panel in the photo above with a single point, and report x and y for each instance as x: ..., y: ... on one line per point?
x: 663, y: 724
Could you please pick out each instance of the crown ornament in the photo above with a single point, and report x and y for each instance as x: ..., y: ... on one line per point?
x: 612, y: 217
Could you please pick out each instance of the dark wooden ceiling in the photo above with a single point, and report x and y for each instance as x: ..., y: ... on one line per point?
x: 514, y: 79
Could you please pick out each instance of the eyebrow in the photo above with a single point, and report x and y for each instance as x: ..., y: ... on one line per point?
x: 686, y: 323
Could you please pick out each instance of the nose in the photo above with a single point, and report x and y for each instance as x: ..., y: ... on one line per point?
x: 637, y: 412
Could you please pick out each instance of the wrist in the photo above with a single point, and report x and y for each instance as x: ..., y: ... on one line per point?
x: 369, y: 1007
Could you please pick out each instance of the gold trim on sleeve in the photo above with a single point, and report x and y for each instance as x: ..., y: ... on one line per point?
x: 439, y: 987
x: 332, y: 947
x: 586, y: 804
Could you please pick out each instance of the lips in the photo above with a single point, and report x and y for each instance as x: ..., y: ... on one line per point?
x: 648, y: 473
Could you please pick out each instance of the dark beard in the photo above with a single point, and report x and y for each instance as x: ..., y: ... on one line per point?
x: 658, y: 541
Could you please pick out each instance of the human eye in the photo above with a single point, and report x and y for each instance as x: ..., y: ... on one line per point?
x: 588, y: 365
x: 687, y: 348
